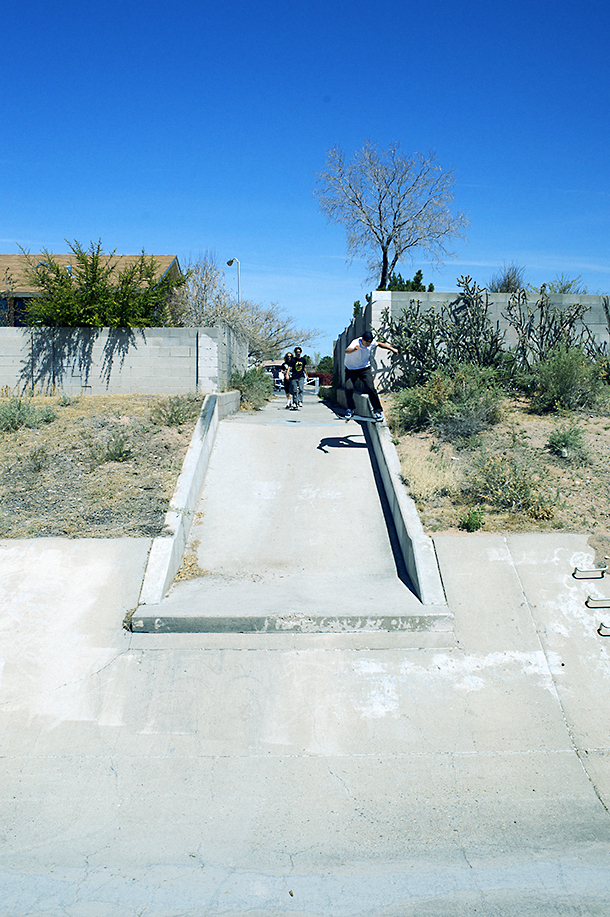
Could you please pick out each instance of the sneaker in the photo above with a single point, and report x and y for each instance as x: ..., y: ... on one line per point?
x: 349, y: 413
x: 377, y: 415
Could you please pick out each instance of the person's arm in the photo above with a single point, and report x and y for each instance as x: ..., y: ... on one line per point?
x: 387, y: 347
x: 353, y: 347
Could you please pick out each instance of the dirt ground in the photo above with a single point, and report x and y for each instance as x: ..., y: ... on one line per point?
x: 576, y: 488
x: 105, y: 467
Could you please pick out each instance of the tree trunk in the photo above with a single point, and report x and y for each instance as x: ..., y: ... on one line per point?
x: 384, y: 271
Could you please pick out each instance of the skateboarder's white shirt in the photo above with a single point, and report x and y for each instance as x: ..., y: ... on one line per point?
x: 361, y: 357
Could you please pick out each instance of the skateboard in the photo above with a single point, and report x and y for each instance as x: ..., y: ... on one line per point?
x: 360, y: 417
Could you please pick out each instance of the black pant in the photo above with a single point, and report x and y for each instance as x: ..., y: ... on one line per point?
x: 365, y: 376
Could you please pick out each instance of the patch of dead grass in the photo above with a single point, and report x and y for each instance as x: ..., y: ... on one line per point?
x: 430, y: 476
x: 52, y: 482
x: 578, y: 492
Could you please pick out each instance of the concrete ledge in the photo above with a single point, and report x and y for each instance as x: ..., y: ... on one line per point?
x: 281, y: 624
x: 166, y: 552
x: 416, y: 547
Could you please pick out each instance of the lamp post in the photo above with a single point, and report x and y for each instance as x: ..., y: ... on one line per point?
x: 230, y: 263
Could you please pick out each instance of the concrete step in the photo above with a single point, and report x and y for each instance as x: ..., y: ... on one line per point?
x: 158, y: 622
x: 298, y: 604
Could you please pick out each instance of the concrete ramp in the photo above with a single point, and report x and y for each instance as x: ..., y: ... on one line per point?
x: 291, y: 534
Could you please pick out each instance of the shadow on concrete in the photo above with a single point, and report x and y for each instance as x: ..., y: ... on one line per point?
x: 401, y: 567
x: 339, y: 442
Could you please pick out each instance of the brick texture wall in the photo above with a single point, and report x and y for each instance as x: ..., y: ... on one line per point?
x: 101, y: 361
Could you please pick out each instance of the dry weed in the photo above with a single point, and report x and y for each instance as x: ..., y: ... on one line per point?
x: 101, y: 469
x: 429, y: 476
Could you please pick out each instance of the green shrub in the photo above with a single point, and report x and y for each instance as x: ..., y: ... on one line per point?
x: 472, y: 519
x: 37, y: 459
x: 412, y: 408
x: 16, y: 413
x: 255, y: 386
x: 114, y: 449
x: 475, y: 406
x: 66, y: 400
x: 508, y: 482
x: 99, y: 290
x: 455, y: 406
x: 568, y: 442
x: 567, y: 379
x: 177, y: 410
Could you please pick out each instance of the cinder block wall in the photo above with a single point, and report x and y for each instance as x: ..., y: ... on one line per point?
x: 230, y: 354
x: 381, y: 300
x: 120, y: 361
x: 353, y: 330
x: 595, y: 318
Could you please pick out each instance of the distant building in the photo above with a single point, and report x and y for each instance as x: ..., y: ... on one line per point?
x: 16, y: 290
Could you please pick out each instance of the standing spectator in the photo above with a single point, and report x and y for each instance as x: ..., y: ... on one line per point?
x: 298, y: 378
x: 358, y: 369
x: 286, y: 371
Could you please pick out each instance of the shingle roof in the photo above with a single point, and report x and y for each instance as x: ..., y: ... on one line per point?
x: 14, y: 266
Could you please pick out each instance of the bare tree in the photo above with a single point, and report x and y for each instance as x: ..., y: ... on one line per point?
x: 390, y: 205
x: 205, y: 300
x: 508, y: 280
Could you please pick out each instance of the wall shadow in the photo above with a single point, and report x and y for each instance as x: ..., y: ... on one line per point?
x: 59, y: 355
x: 117, y: 346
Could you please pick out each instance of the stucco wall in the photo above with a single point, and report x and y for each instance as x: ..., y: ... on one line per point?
x: 101, y: 361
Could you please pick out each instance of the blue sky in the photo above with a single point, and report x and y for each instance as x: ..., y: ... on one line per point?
x: 195, y: 126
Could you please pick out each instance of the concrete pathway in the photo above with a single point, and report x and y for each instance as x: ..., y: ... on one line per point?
x: 304, y: 773
x: 291, y: 534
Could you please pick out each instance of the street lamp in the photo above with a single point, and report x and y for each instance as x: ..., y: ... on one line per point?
x: 230, y: 263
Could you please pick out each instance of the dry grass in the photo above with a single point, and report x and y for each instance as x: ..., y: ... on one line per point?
x: 101, y: 469
x: 430, y: 476
x: 574, y: 488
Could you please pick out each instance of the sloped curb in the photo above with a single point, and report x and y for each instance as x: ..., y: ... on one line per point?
x: 166, y: 552
x: 416, y: 547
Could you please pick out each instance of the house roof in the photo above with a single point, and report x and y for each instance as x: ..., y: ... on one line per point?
x: 13, y: 269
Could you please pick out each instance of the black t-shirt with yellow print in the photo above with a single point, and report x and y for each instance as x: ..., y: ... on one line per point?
x: 298, y: 367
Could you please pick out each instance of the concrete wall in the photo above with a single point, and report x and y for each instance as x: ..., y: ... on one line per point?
x: 353, y: 330
x: 595, y: 319
x: 372, y: 317
x: 116, y: 361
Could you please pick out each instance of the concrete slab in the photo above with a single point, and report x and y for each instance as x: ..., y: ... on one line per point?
x: 291, y: 533
x: 307, y: 774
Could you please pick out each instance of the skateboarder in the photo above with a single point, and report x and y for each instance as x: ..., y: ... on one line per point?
x: 285, y: 371
x: 298, y: 378
x: 358, y: 367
